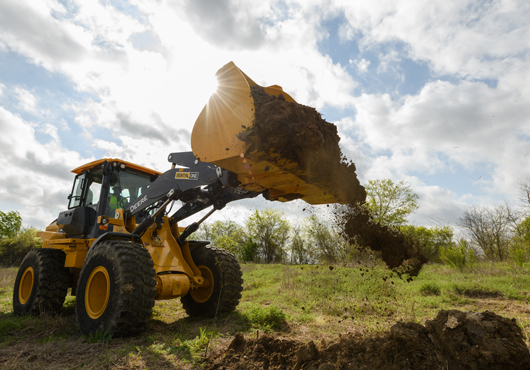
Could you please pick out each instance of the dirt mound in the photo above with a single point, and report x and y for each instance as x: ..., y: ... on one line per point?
x: 454, y: 340
x: 300, y: 134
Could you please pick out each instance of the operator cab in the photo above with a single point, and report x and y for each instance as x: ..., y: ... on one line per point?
x: 100, y: 188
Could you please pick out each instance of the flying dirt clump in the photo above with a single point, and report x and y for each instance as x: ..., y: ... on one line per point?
x: 454, y: 340
x: 300, y: 134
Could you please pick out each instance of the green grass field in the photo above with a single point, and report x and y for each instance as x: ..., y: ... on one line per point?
x: 300, y: 302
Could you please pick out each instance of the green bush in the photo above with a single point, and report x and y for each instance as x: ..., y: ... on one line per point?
x: 13, y: 249
x: 518, y: 255
x: 249, y: 252
x: 267, y: 318
x: 460, y: 256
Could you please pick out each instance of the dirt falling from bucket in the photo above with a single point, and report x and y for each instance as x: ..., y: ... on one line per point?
x: 300, y: 134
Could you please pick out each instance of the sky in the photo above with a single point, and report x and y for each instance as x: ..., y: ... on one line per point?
x: 435, y: 93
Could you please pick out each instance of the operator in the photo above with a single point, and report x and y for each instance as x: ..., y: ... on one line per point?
x: 116, y: 200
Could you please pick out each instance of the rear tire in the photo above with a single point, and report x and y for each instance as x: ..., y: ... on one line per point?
x: 42, y: 283
x: 223, y: 295
x: 116, y: 289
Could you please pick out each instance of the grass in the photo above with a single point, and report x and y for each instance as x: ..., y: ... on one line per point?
x: 301, y: 302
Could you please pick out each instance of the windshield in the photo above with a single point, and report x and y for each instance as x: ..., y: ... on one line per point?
x: 126, y: 186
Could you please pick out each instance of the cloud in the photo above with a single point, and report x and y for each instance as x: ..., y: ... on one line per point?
x: 362, y: 65
x: 226, y: 23
x: 26, y: 100
x: 446, y: 124
x: 34, y: 175
x: 28, y: 28
x: 478, y: 40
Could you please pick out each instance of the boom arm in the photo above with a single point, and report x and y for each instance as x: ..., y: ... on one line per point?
x: 198, y: 185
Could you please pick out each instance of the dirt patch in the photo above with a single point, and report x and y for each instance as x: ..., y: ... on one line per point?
x: 299, y: 134
x: 479, y: 293
x: 453, y: 340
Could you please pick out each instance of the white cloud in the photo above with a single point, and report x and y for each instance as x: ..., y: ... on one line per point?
x: 462, y: 124
x: 466, y: 38
x: 34, y: 175
x: 26, y: 100
x: 362, y: 65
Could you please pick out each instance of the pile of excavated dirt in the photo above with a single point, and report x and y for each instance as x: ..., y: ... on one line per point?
x: 454, y: 340
x: 300, y: 134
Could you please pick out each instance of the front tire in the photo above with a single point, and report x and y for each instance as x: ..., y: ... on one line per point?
x: 42, y: 283
x: 222, y: 290
x: 116, y: 289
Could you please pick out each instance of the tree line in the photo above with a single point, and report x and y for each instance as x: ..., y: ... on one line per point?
x: 267, y: 237
x: 497, y: 233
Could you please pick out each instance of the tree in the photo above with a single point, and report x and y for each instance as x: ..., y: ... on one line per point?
x: 432, y: 239
x: 520, y: 248
x: 224, y: 234
x: 491, y: 229
x: 390, y: 203
x: 301, y: 253
x: 327, y: 246
x: 270, y: 232
x: 524, y: 191
x: 10, y: 224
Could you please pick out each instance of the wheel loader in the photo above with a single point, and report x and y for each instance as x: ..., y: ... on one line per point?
x: 118, y: 247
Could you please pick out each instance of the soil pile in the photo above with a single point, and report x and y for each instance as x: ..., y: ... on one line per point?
x: 454, y: 340
x: 300, y: 134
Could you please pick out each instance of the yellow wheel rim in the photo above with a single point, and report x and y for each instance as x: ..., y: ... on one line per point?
x: 26, y: 285
x: 204, y: 292
x: 97, y: 292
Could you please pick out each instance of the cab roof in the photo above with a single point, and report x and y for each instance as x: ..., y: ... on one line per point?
x: 93, y: 164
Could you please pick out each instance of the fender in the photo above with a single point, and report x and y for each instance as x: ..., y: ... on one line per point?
x: 114, y: 236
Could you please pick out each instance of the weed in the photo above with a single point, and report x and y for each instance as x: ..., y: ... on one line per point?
x: 99, y: 337
x: 430, y: 288
x: 7, y: 277
x: 194, y: 349
x: 267, y: 318
x: 518, y: 256
x: 10, y: 325
x: 459, y: 257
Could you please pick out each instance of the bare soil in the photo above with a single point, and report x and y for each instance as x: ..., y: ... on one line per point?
x: 300, y: 134
x: 454, y: 340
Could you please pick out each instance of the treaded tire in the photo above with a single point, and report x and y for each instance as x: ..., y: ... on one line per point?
x: 45, y: 282
x: 130, y: 289
x: 227, y: 287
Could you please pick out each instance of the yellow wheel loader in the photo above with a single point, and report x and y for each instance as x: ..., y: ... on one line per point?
x: 118, y: 248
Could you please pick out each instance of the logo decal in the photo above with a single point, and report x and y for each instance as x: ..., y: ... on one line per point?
x: 138, y: 204
x: 187, y: 175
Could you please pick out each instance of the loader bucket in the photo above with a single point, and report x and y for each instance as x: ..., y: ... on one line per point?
x: 215, y: 139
